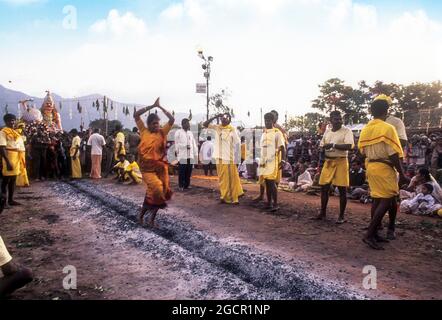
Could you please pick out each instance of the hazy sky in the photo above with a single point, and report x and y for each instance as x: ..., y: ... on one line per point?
x: 270, y: 54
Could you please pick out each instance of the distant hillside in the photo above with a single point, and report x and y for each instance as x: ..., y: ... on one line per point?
x: 71, y: 118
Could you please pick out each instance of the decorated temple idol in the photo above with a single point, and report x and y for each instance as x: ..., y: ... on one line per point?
x: 50, y: 115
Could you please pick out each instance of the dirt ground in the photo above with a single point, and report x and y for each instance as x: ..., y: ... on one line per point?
x: 206, y: 250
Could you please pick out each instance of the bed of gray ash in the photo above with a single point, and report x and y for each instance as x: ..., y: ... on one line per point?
x: 237, y: 270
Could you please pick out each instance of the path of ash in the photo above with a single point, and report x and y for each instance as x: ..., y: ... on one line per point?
x: 239, y: 271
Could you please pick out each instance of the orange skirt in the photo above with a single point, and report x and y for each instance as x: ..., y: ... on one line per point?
x: 156, y: 177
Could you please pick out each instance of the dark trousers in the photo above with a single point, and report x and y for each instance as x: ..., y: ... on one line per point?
x: 39, y: 161
x: 8, y: 187
x: 64, y: 170
x: 185, y: 172
x: 208, y: 168
x: 107, y: 162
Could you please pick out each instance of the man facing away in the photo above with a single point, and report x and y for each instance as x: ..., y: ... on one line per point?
x: 119, y: 143
x: 134, y: 141
x: 97, y: 142
x: 109, y: 155
x: 336, y: 143
x: 206, y: 156
x: 380, y: 144
x: 75, y: 154
x: 187, y: 153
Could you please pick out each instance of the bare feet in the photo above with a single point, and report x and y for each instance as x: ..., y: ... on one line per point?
x: 381, y: 239
x: 140, y: 218
x: 152, y: 223
x: 259, y: 199
x: 391, y: 235
x: 319, y: 217
x: 372, y: 243
x: 341, y: 220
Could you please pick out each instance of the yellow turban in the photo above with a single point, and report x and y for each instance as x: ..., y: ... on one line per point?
x: 385, y: 98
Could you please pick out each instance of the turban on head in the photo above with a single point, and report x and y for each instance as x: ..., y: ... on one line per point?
x: 385, y: 98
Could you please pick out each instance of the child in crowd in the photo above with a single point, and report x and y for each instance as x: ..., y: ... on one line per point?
x: 304, y: 181
x: 422, y: 204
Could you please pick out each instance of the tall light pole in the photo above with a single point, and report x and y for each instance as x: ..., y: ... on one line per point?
x: 207, y: 70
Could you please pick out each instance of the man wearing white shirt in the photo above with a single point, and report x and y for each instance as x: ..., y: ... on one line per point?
x: 96, y: 141
x: 206, y: 156
x: 187, y: 153
x: 399, y: 125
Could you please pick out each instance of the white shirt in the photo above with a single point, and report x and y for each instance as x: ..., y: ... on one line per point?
x: 206, y: 152
x: 9, y: 143
x: 97, y: 142
x: 342, y: 136
x: 305, y: 178
x: 226, y: 143
x: 399, y: 125
x: 271, y: 141
x: 185, y: 145
x: 5, y: 257
x: 421, y: 198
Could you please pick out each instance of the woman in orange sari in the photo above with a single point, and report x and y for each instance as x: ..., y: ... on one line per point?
x: 153, y: 166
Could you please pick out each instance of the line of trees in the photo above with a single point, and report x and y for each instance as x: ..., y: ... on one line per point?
x: 418, y: 104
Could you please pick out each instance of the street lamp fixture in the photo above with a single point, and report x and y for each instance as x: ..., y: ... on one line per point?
x: 207, y: 70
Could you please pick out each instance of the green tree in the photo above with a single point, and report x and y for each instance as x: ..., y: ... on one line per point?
x: 101, y: 124
x: 390, y: 89
x: 308, y: 122
x: 336, y: 95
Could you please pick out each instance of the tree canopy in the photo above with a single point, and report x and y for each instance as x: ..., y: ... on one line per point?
x: 409, y: 101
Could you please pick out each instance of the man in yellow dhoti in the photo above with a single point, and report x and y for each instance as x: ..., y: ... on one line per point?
x: 272, y: 153
x: 22, y: 178
x: 151, y: 154
x: 380, y: 144
x: 75, y: 155
x: 10, y: 141
x: 336, y: 142
x: 119, y: 143
x: 226, y: 141
x: 261, y: 181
